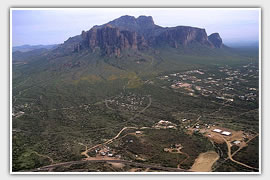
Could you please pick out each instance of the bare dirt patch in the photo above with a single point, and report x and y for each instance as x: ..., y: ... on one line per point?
x: 117, y: 165
x: 205, y: 161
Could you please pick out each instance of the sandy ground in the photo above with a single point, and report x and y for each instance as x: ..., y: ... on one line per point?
x: 117, y: 165
x: 205, y: 161
x: 133, y: 169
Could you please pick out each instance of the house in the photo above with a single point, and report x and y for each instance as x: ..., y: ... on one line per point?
x: 161, y: 122
x: 110, y: 154
x: 103, y: 153
x: 236, y: 142
x: 118, y: 156
x: 226, y: 133
x: 217, y: 130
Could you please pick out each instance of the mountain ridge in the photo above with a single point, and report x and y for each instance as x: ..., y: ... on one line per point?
x: 128, y: 32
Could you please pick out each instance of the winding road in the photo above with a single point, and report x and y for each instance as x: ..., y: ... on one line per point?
x: 230, y: 156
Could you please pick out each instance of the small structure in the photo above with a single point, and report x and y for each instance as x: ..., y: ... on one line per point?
x: 138, y: 132
x: 217, y: 130
x: 118, y: 156
x: 103, y: 153
x: 236, y: 142
x: 110, y: 154
x: 226, y: 133
x: 198, y: 88
x: 166, y: 149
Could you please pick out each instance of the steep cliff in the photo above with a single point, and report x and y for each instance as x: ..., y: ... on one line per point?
x: 128, y: 32
x: 216, y: 40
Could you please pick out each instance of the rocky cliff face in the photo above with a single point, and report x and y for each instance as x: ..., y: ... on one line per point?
x: 111, y: 40
x: 128, y: 32
x: 182, y: 35
x: 216, y: 40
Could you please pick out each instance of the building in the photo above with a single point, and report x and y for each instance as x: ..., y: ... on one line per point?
x: 226, y: 133
x: 138, y: 132
x: 217, y: 130
x: 103, y: 153
x: 118, y: 156
x: 236, y: 142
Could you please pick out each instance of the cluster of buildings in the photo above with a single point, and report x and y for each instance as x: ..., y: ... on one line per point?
x: 129, y: 102
x: 222, y: 86
x: 165, y: 125
x: 181, y: 85
x: 105, y: 151
x: 249, y: 97
x: 174, y: 147
x: 226, y: 133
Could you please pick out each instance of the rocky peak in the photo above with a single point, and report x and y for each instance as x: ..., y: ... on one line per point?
x: 216, y: 40
x: 128, y: 32
x: 145, y: 21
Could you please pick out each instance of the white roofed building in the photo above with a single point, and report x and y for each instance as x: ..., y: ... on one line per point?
x: 217, y: 130
x: 226, y: 133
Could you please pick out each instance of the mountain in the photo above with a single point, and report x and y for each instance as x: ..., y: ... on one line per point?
x: 126, y: 48
x: 126, y: 73
x: 26, y: 47
x: 128, y: 32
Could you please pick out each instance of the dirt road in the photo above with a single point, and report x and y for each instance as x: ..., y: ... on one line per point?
x: 45, y: 156
x: 112, y: 139
x: 231, y: 157
x: 107, y: 142
x: 151, y: 166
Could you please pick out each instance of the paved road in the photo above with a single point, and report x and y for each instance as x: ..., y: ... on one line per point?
x: 169, y: 169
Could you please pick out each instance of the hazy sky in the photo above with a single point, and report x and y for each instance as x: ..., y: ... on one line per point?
x: 37, y: 26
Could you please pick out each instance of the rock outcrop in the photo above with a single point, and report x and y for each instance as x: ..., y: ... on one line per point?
x: 128, y: 32
x: 111, y: 40
x: 182, y: 35
x: 216, y: 40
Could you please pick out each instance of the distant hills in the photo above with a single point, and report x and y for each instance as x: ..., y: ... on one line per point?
x: 26, y: 47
